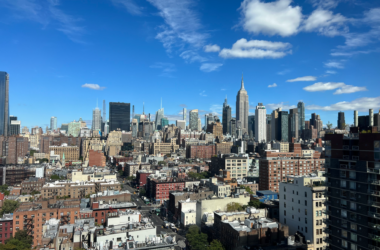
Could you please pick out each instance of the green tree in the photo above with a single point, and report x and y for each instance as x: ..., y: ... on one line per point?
x: 256, y: 204
x: 247, y: 189
x: 34, y: 192
x: 43, y: 160
x: 215, y: 245
x: 55, y: 177
x: 233, y: 206
x: 21, y: 241
x: 142, y: 192
x: 32, y: 152
x: 9, y: 206
x: 197, y: 240
x: 329, y: 125
x: 4, y: 189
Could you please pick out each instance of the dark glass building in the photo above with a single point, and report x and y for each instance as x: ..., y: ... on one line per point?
x: 284, y: 125
x: 4, y: 103
x: 119, y: 116
x: 341, y: 121
x: 226, y: 118
x: 251, y: 126
x: 363, y: 121
x: 353, y: 197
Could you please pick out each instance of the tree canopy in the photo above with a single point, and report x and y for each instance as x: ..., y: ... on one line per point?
x: 233, y: 206
x: 4, y: 189
x: 9, y: 206
x: 21, y: 241
x: 198, y: 240
x: 256, y: 204
x: 202, y: 175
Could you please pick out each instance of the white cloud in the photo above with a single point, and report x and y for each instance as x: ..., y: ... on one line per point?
x: 192, y: 56
x: 208, y: 67
x: 303, y: 79
x: 272, y: 86
x: 130, y: 5
x: 352, y: 53
x: 284, y: 72
x: 212, y: 48
x: 203, y: 93
x: 334, y: 64
x: 330, y: 72
x: 326, y: 23
x: 360, y: 104
x: 341, y: 88
x: 282, y: 105
x: 256, y: 49
x: 216, y: 109
x: 182, y: 24
x: 325, y: 4
x: 92, y: 86
x: 271, y: 18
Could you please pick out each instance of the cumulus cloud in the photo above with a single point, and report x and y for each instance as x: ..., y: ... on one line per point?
x: 256, y: 49
x: 212, y: 48
x: 282, y: 105
x: 92, y: 86
x: 341, y: 88
x: 303, y: 79
x: 326, y: 23
x: 360, y: 104
x: 209, y: 67
x: 272, y: 85
x: 216, y: 109
x: 270, y: 18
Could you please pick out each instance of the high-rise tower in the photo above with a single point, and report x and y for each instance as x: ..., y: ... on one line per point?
x: 226, y: 118
x: 96, y: 120
x: 184, y: 114
x: 341, y: 121
x: 119, y: 116
x: 260, y: 123
x: 242, y: 107
x: 159, y: 116
x: 104, y: 112
x: 53, y: 123
x: 356, y: 114
x: 301, y: 117
x: 4, y: 103
x: 193, y: 119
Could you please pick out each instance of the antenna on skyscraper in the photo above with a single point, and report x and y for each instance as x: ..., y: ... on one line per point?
x: 133, y: 111
x: 143, y: 109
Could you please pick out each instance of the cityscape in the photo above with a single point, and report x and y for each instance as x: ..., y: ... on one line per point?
x: 130, y: 124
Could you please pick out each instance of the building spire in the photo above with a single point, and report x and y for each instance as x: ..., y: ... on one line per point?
x: 143, y: 109
x: 242, y: 81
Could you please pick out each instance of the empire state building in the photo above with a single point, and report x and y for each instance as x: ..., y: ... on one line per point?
x: 242, y: 107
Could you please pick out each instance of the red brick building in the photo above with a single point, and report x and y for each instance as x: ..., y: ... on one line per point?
x: 97, y: 158
x: 6, y: 227
x: 101, y: 210
x: 200, y: 151
x: 160, y: 189
x: 141, y: 178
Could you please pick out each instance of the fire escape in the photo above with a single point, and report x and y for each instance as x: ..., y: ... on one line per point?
x: 28, y: 225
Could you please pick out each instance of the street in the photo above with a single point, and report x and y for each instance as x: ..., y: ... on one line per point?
x: 144, y: 210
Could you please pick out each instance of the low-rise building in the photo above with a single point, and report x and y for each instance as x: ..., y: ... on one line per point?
x: 32, y: 184
x: 6, y: 227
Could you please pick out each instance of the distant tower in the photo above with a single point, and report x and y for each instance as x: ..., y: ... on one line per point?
x: 260, y: 123
x: 96, y: 119
x: 4, y: 103
x: 159, y: 116
x: 53, y: 123
x: 193, y: 119
x: 356, y: 114
x: 133, y: 111
x: 371, y: 117
x: 104, y: 111
x: 226, y: 118
x: 242, y: 107
x: 301, y: 117
x: 184, y: 114
x: 341, y: 121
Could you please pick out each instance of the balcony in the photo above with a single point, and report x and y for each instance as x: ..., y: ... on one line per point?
x: 374, y: 203
x: 346, y: 147
x: 327, y: 202
x: 372, y: 247
x: 328, y: 212
x: 373, y: 192
x: 355, y: 147
x: 344, y: 166
x: 374, y: 182
x: 373, y: 170
x: 374, y: 237
x: 327, y: 240
x: 326, y: 221
x: 355, y: 158
x: 373, y: 225
x: 346, y: 157
x: 327, y: 230
x: 374, y: 214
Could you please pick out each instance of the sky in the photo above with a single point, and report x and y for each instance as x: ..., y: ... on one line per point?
x: 64, y: 57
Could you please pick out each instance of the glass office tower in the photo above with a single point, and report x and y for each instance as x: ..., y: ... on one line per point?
x: 4, y: 103
x: 119, y: 116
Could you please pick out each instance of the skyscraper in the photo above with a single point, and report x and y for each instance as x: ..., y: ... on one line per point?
x: 371, y: 117
x: 233, y: 127
x: 316, y: 122
x: 293, y: 124
x: 184, y: 114
x: 275, y: 125
x: 104, y: 112
x: 260, y: 123
x: 301, y: 117
x: 53, y: 123
x: 356, y: 114
x: 119, y: 116
x: 193, y: 119
x: 96, y: 120
x: 226, y: 118
x: 341, y: 121
x: 269, y: 128
x: 181, y: 124
x: 15, y: 126
x: 251, y: 126
x: 242, y: 107
x: 209, y: 118
x: 283, y: 125
x: 199, y: 124
x: 4, y: 103
x: 159, y: 116
x: 164, y: 122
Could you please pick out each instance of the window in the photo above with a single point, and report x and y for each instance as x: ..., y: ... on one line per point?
x: 344, y: 244
x: 285, y: 212
x: 352, y: 205
x: 343, y: 184
x: 305, y: 194
x: 343, y: 213
x: 305, y: 203
x: 305, y: 229
x: 352, y: 175
x: 352, y: 185
x: 305, y: 211
x: 354, y: 227
x: 353, y: 246
x: 354, y: 237
x: 344, y: 233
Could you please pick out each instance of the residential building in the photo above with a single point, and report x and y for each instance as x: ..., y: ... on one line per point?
x: 363, y: 121
x: 209, y: 118
x: 96, y: 120
x: 251, y: 126
x: 32, y: 184
x: 223, y: 147
x: 6, y: 227
x: 53, y: 123
x: 293, y: 127
x: 131, y: 168
x: 220, y: 189
x: 160, y: 189
x: 176, y: 196
x: 215, y: 128
x: 200, y: 151
x: 193, y: 119
x: 74, y: 128
x: 242, y: 107
x: 237, y: 165
x: 163, y: 148
x: 114, y: 143
x: 70, y: 153
x: 15, y: 126
x: 119, y: 116
x: 14, y: 175
x: 276, y: 125
x: 96, y: 158
x: 260, y: 123
x: 302, y: 207
x: 371, y: 117
x: 135, y: 127
x: 14, y: 148
x: 188, y: 212
x: 301, y: 117
x: 353, y: 170
x: 283, y: 122
x: 317, y: 122
x: 199, y: 124
x: 226, y: 117
x: 4, y: 103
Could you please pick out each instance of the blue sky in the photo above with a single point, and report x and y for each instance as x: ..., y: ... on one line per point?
x: 63, y: 56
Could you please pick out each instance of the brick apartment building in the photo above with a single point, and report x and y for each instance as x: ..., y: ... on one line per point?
x: 160, y: 189
x: 97, y: 158
x: 6, y: 227
x: 223, y: 147
x: 48, y: 140
x: 13, y: 148
x: 102, y: 210
x: 31, y: 216
x: 200, y: 151
x: 32, y: 184
x: 14, y: 175
x: 141, y: 177
x: 215, y: 128
x: 71, y: 152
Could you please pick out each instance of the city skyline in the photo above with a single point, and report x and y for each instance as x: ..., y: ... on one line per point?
x: 337, y: 75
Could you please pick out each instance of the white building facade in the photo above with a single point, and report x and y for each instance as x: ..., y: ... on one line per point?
x: 260, y: 123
